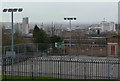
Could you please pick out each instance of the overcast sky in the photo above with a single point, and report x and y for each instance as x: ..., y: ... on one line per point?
x: 85, y: 12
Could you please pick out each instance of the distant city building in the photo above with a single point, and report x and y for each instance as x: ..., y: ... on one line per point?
x: 104, y: 26
x: 22, y: 28
x: 25, y: 26
x: 107, y: 26
x: 18, y: 28
x: 112, y: 26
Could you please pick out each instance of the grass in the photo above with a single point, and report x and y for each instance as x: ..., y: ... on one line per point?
x: 25, y: 77
x: 29, y: 78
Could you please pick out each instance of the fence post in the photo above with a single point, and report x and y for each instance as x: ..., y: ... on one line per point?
x: 60, y: 65
x: 24, y: 48
x: 18, y: 66
x: 37, y: 46
x: 119, y: 67
x: 106, y: 50
x: 18, y: 49
x: 77, y: 50
x: 32, y: 68
x: 12, y: 65
x: 108, y: 68
x: 58, y: 69
x: 4, y: 51
x: 3, y: 68
x: 84, y: 70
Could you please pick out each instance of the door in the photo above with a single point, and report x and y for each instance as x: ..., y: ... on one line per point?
x: 112, y: 50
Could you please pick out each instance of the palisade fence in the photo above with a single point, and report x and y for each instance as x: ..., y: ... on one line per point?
x: 44, y: 60
x: 50, y: 49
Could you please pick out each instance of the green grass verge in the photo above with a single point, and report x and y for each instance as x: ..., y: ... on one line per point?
x: 29, y: 78
x: 25, y: 77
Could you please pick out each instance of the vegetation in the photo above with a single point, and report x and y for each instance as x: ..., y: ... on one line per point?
x: 55, y: 38
x: 40, y: 35
x: 43, y: 39
x: 29, y: 78
x: 6, y: 39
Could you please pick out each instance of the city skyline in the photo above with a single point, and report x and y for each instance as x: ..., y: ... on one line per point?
x: 85, y: 12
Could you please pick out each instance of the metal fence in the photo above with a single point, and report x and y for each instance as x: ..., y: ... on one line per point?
x: 45, y: 60
x: 50, y: 49
x: 62, y: 67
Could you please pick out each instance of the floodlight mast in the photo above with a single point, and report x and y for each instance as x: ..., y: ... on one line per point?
x: 70, y: 19
x: 12, y: 10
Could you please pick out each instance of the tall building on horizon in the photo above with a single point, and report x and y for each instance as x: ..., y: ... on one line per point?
x: 104, y: 26
x: 22, y: 28
x: 112, y: 26
x: 107, y: 26
x: 25, y: 25
x: 18, y: 28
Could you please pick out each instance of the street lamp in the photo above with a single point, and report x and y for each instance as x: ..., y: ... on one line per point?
x: 12, y: 10
x: 70, y: 19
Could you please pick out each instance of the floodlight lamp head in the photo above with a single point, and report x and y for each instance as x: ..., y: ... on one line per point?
x: 4, y: 10
x: 68, y: 18
x: 20, y: 9
x: 65, y: 18
x: 71, y: 18
x: 15, y: 10
x: 74, y: 18
x: 10, y: 10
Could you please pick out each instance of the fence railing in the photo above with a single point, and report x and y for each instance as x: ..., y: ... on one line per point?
x: 50, y: 49
x: 62, y: 67
x: 45, y: 60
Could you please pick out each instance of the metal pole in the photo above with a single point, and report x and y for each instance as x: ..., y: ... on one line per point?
x: 70, y: 37
x: 12, y: 31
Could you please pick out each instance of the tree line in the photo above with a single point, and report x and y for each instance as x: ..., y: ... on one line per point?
x: 39, y: 36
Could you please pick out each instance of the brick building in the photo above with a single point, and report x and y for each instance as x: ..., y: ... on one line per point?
x: 97, y: 46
